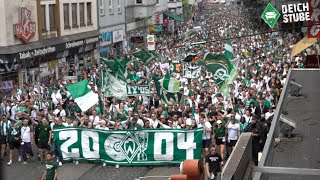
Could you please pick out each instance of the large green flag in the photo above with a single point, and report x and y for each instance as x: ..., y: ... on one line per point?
x: 113, y: 87
x: 145, y: 55
x: 130, y: 147
x: 111, y: 64
x: 222, y: 70
x: 124, y: 74
x: 189, y: 57
x: 124, y: 61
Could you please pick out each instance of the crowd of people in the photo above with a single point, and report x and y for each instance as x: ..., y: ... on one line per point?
x: 29, y: 114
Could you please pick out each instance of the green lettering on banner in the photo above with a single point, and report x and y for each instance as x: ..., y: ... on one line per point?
x: 144, y: 147
x: 133, y: 90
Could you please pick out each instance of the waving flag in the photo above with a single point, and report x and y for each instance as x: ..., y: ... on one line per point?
x: 170, y: 84
x: 222, y: 70
x: 145, y: 55
x: 165, y: 96
x: 83, y: 95
x: 228, y: 50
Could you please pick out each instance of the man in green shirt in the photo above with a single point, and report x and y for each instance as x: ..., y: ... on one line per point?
x: 51, y: 168
x: 45, y: 135
x: 134, y: 124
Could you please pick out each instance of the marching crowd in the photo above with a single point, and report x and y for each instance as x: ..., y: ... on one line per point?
x: 30, y: 114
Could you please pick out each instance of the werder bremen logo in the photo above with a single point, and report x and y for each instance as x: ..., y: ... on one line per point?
x: 128, y: 146
x: 270, y: 15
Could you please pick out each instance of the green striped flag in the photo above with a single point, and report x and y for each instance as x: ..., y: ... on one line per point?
x: 170, y: 84
x: 222, y: 70
x: 228, y: 50
x: 165, y: 96
x: 145, y: 55
x: 110, y: 64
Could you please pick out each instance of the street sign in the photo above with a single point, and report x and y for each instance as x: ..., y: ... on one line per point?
x: 270, y: 15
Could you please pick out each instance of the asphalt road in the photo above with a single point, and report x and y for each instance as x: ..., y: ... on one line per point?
x: 69, y: 171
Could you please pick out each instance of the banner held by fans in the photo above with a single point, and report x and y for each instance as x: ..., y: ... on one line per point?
x: 191, y: 72
x: 129, y: 148
x: 138, y: 90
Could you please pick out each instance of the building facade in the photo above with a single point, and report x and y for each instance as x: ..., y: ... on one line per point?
x: 112, y: 25
x: 138, y: 14
x: 42, y: 39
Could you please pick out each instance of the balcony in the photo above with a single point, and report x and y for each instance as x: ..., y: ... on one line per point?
x: 174, y: 4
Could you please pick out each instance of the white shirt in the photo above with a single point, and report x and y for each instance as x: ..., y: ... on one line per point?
x: 206, y: 134
x: 233, y: 130
x: 13, y: 112
x: 56, y: 98
x: 26, y: 134
x: 94, y: 120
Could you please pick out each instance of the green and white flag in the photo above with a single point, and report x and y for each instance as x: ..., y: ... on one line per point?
x: 228, y: 50
x: 83, y: 95
x: 130, y: 147
x: 170, y: 84
x: 222, y: 70
x: 187, y: 35
x: 113, y: 87
x: 123, y: 73
x: 145, y: 55
x: 111, y: 64
x: 167, y: 97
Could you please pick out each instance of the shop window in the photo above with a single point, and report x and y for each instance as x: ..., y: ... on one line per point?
x: 52, y: 16
x: 89, y: 10
x: 66, y: 16
x: 74, y: 15
x: 81, y: 7
x: 43, y: 18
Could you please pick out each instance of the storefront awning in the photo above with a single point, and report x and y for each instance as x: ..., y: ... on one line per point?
x: 173, y: 16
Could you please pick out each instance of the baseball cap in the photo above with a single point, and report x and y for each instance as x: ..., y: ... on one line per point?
x: 219, y: 122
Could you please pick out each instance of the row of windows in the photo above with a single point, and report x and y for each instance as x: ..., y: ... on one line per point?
x: 84, y: 9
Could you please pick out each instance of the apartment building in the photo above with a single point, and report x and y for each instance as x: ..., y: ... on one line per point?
x: 41, y: 39
x: 112, y: 27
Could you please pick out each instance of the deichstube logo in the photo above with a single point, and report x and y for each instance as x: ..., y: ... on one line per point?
x: 270, y: 15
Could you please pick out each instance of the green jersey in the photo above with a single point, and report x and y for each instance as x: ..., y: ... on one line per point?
x: 220, y: 132
x: 44, y: 131
x: 13, y: 133
x: 51, y: 167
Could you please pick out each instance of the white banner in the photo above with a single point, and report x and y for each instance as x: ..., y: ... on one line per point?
x: 191, y: 72
x: 117, y: 36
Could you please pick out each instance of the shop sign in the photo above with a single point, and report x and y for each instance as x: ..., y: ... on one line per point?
x: 117, y: 36
x: 36, y: 52
x: 26, y: 29
x: 74, y: 44
x: 137, y: 39
x: 151, y: 43
x: 157, y: 19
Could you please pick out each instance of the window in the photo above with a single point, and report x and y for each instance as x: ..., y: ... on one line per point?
x: 89, y: 7
x: 101, y: 7
x: 43, y: 18
x: 157, y: 1
x: 81, y: 7
x: 74, y: 15
x: 119, y: 7
x: 139, y: 1
x: 66, y: 16
x: 110, y: 7
x: 52, y: 16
